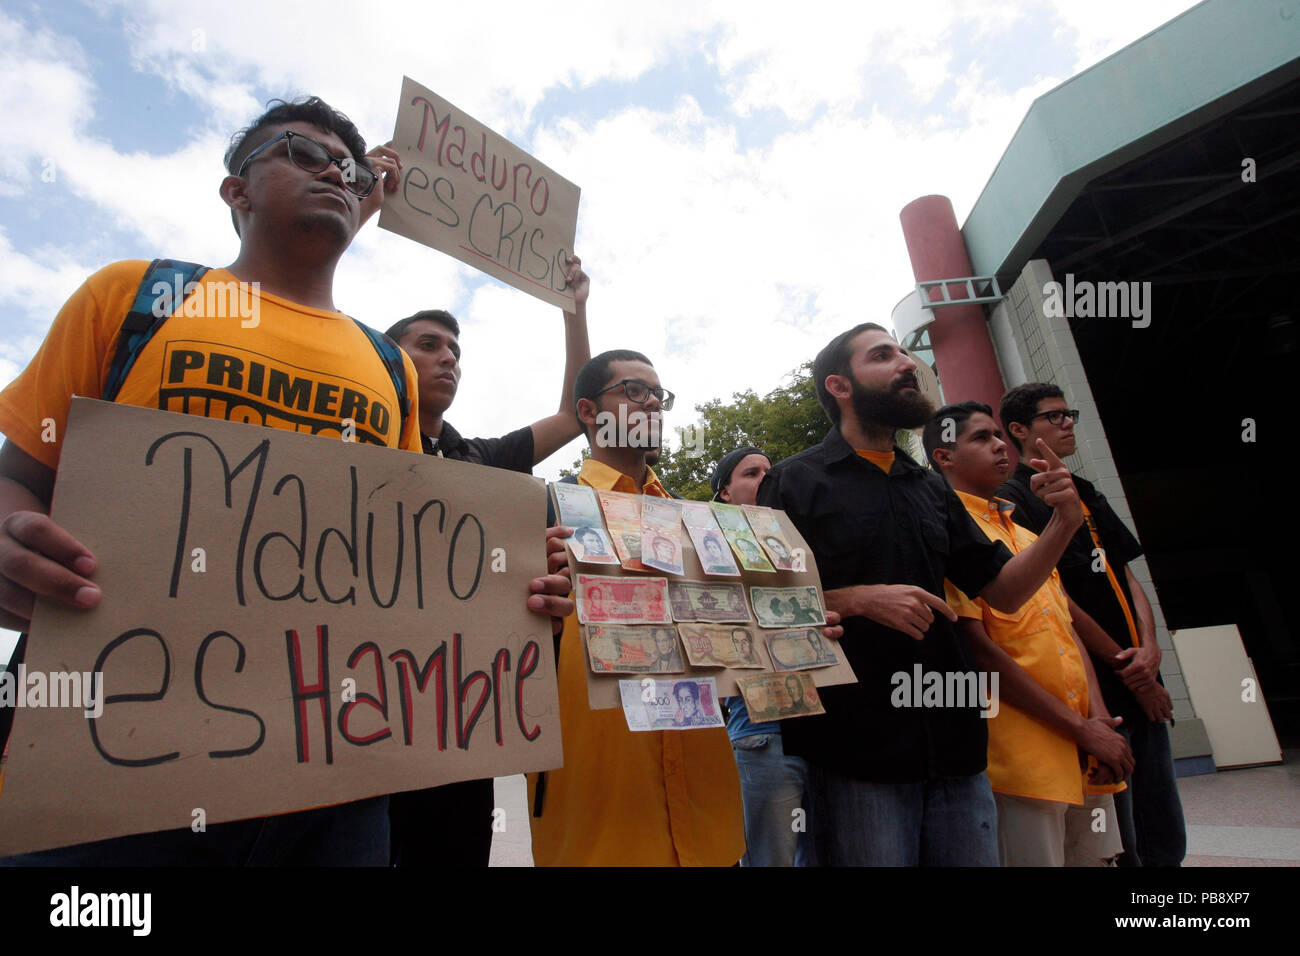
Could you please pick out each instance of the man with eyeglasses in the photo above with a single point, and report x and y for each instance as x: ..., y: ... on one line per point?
x: 1118, y: 627
x: 297, y: 181
x: 661, y: 798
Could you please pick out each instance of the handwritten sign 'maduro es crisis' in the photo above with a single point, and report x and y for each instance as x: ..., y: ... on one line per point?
x: 472, y: 194
x: 288, y: 621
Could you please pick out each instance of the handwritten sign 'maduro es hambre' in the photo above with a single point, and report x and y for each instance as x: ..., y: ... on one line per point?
x: 288, y: 621
x: 474, y: 195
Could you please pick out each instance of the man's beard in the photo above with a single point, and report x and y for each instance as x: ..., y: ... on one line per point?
x: 890, y: 407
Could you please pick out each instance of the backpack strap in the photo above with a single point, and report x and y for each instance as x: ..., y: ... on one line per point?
x: 143, y: 320
x: 391, y: 355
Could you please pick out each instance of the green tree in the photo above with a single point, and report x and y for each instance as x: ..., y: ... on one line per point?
x: 783, y: 422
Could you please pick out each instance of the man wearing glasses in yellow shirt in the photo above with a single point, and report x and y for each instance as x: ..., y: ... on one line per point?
x: 660, y: 798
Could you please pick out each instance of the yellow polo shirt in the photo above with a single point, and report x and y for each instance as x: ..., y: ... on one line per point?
x: 1028, y: 758
x: 660, y: 798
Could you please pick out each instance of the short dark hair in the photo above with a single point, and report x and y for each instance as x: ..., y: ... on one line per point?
x: 959, y: 413
x: 1020, y: 405
x: 313, y: 110
x: 591, y: 377
x: 834, y: 360
x: 690, y: 685
x: 441, y: 316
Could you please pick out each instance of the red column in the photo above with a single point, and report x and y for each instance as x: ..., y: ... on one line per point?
x: 963, y: 351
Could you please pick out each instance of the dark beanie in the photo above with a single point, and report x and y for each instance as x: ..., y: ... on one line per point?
x: 722, y: 474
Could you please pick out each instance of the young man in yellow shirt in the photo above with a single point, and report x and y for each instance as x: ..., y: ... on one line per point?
x: 664, y: 798
x: 1050, y: 716
x: 661, y: 798
x: 299, y: 185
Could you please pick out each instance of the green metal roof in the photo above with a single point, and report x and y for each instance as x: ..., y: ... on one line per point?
x: 1189, y: 72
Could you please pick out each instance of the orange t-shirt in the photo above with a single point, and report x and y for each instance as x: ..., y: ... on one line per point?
x: 274, y: 363
x: 884, y: 460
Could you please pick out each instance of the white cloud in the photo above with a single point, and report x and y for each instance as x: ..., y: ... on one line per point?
x: 728, y: 263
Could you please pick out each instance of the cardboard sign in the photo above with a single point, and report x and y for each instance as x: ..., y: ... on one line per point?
x: 603, y: 689
x: 287, y: 622
x: 474, y: 195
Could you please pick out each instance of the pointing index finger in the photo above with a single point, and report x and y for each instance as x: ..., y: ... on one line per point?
x: 938, y: 604
x: 1049, y: 456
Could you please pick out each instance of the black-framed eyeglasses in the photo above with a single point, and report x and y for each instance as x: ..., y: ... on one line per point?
x: 306, y: 153
x: 639, y: 392
x: 1057, y: 415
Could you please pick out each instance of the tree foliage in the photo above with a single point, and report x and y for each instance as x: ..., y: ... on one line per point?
x: 783, y: 422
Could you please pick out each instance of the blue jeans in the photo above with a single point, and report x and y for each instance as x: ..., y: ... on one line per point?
x: 350, y: 834
x: 1150, y: 812
x: 773, y: 788
x: 949, y: 821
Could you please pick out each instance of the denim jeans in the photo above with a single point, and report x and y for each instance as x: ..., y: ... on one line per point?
x: 1150, y: 812
x: 948, y: 821
x: 773, y: 788
x: 350, y: 834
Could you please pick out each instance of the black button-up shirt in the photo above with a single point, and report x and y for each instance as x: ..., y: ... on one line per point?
x: 1090, y: 589
x: 513, y: 452
x: 868, y: 527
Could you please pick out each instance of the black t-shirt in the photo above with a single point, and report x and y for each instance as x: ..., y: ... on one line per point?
x: 1090, y: 589
x: 866, y: 527
x: 513, y: 452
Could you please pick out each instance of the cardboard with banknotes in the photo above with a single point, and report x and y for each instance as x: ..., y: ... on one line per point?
x: 701, y: 624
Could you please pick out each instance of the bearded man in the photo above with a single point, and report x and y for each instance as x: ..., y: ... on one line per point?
x: 895, y: 784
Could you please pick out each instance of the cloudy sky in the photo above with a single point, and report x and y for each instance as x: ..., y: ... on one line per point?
x: 742, y: 164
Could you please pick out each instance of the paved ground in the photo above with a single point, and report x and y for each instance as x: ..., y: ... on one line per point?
x: 1244, y: 817
x: 1234, y: 818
